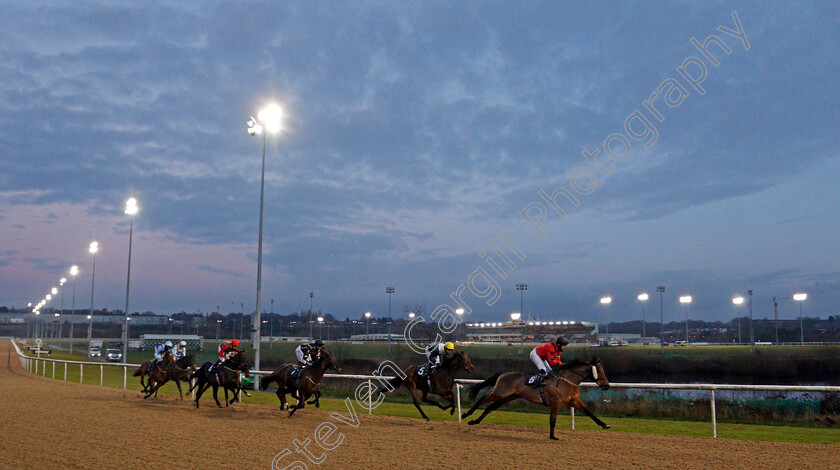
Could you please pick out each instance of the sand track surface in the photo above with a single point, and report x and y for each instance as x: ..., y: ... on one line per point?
x: 50, y: 424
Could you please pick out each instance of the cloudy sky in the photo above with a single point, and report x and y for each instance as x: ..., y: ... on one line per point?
x: 414, y: 135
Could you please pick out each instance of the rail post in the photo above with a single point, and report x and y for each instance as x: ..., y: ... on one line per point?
x: 53, y: 375
x: 125, y: 377
x: 65, y: 372
x: 714, y: 418
x: 458, y: 399
x: 370, y: 398
x: 36, y: 367
x: 101, y: 374
x: 573, y: 418
x: 81, y: 373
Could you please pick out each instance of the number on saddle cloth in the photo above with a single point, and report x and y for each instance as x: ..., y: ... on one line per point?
x: 534, y: 381
x: 423, y: 370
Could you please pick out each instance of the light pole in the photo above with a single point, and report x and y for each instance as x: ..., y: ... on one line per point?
x: 51, y: 333
x: 800, y: 297
x: 686, y: 300
x: 74, y: 270
x: 517, y: 316
x: 321, y: 328
x: 367, y: 335
x: 607, y: 301
x: 311, y: 299
x: 218, y: 327
x: 271, y: 328
x: 752, y: 336
x: 61, y: 283
x: 661, y: 291
x: 130, y: 211
x: 522, y: 287
x: 776, y: 322
x: 737, y: 301
x: 267, y: 120
x: 643, y: 297
x: 94, y: 247
x: 389, y: 290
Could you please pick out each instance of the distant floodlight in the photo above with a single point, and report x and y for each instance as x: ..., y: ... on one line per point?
x: 271, y: 118
x: 49, y: 296
x: 515, y: 316
x: 738, y: 300
x: 686, y: 299
x: 62, y: 281
x: 643, y: 296
x: 459, y: 311
x: 800, y: 296
x: 367, y: 314
x: 131, y: 206
x: 606, y: 300
x: 94, y: 247
x: 411, y: 315
x: 320, y: 319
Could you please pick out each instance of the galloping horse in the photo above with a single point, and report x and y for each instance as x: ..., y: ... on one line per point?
x: 562, y: 389
x: 226, y: 375
x: 157, y: 374
x: 306, y: 384
x: 440, y: 383
x: 179, y: 371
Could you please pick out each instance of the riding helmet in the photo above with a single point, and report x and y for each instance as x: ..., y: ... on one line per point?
x: 449, y: 346
x: 235, y: 343
x: 561, y: 341
x: 318, y: 343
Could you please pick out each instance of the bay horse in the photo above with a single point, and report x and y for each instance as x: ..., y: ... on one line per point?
x: 225, y: 375
x: 440, y: 383
x: 560, y: 389
x: 179, y: 371
x: 157, y: 374
x: 306, y: 384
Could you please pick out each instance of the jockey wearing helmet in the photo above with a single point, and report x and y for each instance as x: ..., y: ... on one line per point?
x: 434, y: 352
x: 547, y: 355
x: 160, y: 350
x: 305, y: 352
x: 180, y: 350
x: 226, y: 350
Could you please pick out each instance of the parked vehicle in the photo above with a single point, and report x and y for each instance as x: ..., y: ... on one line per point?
x: 113, y: 355
x: 95, y: 352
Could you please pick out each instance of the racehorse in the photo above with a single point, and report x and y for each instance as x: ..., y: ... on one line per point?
x: 440, y: 383
x: 225, y: 375
x: 157, y: 374
x: 560, y: 389
x: 179, y: 371
x: 307, y: 382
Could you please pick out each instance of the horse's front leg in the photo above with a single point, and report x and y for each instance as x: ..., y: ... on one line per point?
x: 216, y: 395
x: 552, y: 420
x: 300, y: 404
x: 412, y: 389
x: 578, y: 405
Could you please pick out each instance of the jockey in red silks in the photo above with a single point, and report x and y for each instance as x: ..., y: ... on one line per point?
x: 226, y: 350
x: 547, y: 355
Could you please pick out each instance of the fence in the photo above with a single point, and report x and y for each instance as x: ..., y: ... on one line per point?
x: 29, y: 363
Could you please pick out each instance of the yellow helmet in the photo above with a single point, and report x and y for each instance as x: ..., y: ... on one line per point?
x: 449, y: 346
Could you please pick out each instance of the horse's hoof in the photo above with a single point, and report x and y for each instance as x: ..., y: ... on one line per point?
x: 452, y: 412
x: 606, y: 426
x: 463, y: 416
x: 472, y: 422
x: 428, y: 419
x: 554, y: 438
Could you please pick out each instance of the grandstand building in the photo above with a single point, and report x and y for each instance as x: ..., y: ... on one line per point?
x: 533, y: 331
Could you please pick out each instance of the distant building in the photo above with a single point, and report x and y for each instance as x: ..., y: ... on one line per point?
x: 533, y: 331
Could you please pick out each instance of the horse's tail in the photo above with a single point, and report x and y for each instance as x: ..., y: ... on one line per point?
x: 137, y: 372
x: 392, y: 385
x: 478, y: 387
x: 266, y: 381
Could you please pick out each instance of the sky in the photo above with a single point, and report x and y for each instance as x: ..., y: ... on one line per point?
x: 436, y: 147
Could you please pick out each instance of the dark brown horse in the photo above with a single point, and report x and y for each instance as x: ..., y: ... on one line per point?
x: 225, y: 375
x: 440, y: 383
x: 157, y: 374
x: 306, y: 385
x: 142, y: 372
x: 561, y: 389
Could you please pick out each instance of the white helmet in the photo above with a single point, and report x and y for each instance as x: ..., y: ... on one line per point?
x: 183, y: 343
x: 168, y: 344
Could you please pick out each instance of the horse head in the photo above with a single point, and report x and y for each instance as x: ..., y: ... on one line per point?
x: 459, y: 360
x: 326, y: 360
x: 598, y: 375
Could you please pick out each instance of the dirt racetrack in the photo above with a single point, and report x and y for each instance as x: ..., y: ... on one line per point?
x: 49, y: 424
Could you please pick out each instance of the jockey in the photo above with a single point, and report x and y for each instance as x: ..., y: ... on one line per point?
x: 160, y: 350
x: 434, y: 352
x: 547, y: 355
x: 226, y: 350
x: 304, y: 352
x: 180, y: 350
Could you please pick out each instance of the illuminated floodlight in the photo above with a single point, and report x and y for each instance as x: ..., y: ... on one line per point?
x: 800, y: 296
x: 49, y: 296
x: 131, y: 206
x: 94, y: 247
x: 320, y: 319
x: 515, y: 316
x: 738, y: 300
x: 686, y: 299
x: 271, y: 117
x: 459, y: 311
x: 643, y: 296
x: 74, y: 270
x: 606, y: 300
